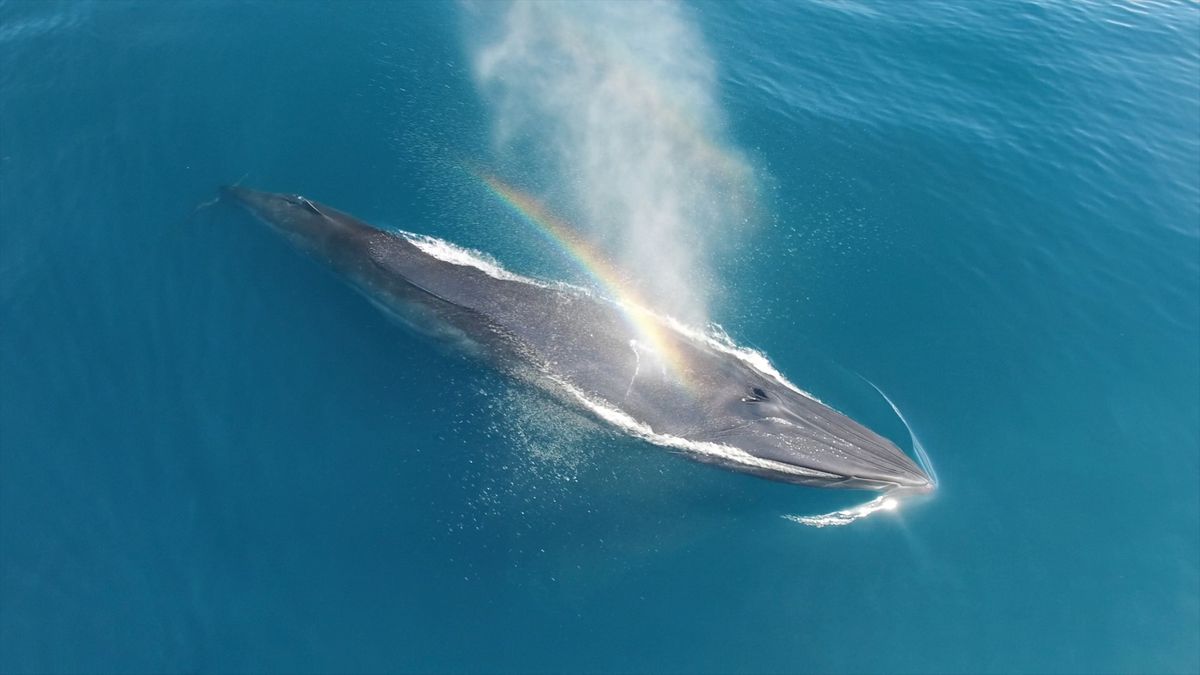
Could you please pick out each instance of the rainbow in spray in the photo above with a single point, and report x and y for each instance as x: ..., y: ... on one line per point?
x: 652, y: 331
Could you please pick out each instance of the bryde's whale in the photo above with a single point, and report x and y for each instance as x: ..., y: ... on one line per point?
x: 645, y: 373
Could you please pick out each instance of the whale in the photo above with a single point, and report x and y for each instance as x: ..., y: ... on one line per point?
x: 644, y: 373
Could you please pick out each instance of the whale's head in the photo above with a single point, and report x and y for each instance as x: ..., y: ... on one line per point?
x: 793, y: 437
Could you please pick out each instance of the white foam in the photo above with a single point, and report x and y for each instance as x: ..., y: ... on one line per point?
x: 718, y: 339
x: 457, y: 255
x: 847, y: 516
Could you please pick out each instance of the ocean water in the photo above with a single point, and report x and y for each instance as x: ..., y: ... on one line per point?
x: 215, y: 457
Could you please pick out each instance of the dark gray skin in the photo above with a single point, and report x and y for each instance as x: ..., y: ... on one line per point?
x: 704, y: 401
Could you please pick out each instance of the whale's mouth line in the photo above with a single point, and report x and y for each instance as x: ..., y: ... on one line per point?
x: 710, y: 449
x: 849, y: 479
x: 704, y: 450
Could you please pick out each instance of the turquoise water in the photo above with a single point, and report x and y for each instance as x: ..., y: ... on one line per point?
x: 216, y: 457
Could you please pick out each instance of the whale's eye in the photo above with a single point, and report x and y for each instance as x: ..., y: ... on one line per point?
x: 756, y: 395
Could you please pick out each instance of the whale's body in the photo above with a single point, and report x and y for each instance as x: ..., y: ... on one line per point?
x: 679, y: 389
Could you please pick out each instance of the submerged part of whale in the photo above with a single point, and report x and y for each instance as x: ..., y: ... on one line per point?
x: 647, y: 374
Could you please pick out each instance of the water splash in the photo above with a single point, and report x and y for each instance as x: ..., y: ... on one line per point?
x: 890, y: 500
x: 847, y: 516
x: 617, y: 102
x: 918, y: 448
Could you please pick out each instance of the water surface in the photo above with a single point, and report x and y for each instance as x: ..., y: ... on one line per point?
x: 216, y: 457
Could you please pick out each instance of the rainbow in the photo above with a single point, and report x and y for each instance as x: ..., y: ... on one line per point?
x: 651, y: 330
